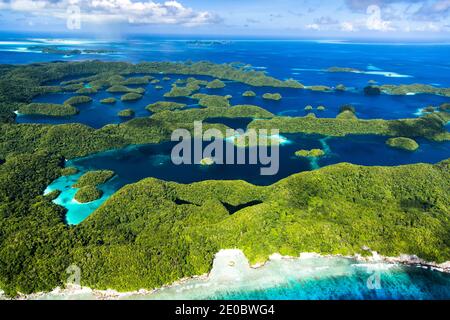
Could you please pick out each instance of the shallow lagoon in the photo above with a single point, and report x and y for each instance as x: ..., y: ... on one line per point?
x: 134, y: 163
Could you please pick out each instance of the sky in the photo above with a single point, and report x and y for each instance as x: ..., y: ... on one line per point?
x: 414, y: 19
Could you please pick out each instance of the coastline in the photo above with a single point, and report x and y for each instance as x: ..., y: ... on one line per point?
x: 225, y: 269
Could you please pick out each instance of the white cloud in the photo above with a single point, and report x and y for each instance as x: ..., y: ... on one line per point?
x: 313, y: 26
x: 348, y: 26
x: 430, y: 26
x: 133, y: 12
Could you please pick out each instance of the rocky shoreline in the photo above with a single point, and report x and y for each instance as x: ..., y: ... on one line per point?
x: 85, y: 293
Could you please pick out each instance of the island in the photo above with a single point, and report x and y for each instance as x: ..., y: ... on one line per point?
x: 68, y: 171
x: 177, y: 92
x: 313, y: 153
x: 343, y: 69
x: 118, y: 88
x: 53, y: 195
x: 165, y: 105
x: 48, y: 109
x: 272, y: 96
x: 249, y: 93
x: 68, y: 52
x: 94, y: 178
x: 87, y: 90
x: 78, y: 100
x: 403, y: 143
x: 207, y: 161
x: 88, y: 194
x: 126, y: 113
x: 131, y: 96
x: 319, y: 88
x: 206, y: 100
x: 215, y: 84
x: 412, y: 89
x: 110, y: 100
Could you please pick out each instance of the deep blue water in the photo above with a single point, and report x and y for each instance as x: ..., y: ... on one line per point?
x: 304, y: 61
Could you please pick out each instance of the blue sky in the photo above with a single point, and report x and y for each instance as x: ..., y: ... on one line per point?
x: 264, y: 18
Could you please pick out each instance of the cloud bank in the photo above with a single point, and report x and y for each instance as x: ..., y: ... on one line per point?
x: 100, y: 11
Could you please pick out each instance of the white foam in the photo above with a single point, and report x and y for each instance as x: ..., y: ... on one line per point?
x: 64, y: 41
x: 387, y: 74
x: 16, y: 43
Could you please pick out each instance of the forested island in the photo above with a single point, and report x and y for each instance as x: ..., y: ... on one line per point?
x: 153, y: 232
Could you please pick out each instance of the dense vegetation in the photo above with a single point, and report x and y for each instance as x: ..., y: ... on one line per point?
x: 313, y: 153
x: 165, y: 105
x: 48, y: 109
x: 126, y: 113
x: 249, y: 94
x: 110, y: 100
x: 405, y: 89
x: 272, y: 96
x: 403, y: 143
x: 88, y: 194
x: 94, y: 178
x: 206, y: 100
x: 319, y: 88
x: 68, y: 171
x: 191, y: 115
x: 131, y: 96
x: 430, y: 126
x: 118, y: 88
x: 215, y: 84
x: 78, y: 100
x: 177, y: 92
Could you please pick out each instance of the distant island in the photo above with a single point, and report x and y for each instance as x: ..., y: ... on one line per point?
x: 68, y: 52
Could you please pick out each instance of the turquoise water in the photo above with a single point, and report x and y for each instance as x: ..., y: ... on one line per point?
x: 311, y: 278
x: 403, y: 283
